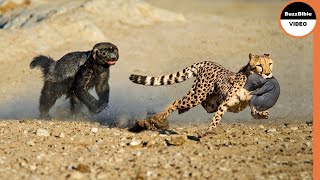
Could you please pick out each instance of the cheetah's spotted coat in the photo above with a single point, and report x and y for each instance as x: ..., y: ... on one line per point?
x: 216, y: 88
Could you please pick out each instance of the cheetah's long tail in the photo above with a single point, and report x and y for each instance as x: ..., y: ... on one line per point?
x: 42, y: 62
x: 177, y: 77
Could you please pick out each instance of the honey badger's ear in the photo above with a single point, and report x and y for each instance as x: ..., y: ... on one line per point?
x: 94, y: 52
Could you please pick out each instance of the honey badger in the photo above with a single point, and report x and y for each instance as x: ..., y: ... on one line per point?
x: 74, y: 75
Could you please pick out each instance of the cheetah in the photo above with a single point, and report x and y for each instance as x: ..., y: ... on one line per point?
x: 216, y: 88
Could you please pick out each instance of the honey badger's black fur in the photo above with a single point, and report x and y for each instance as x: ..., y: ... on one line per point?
x: 74, y: 75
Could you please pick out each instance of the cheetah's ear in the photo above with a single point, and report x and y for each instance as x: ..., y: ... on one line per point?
x: 250, y: 56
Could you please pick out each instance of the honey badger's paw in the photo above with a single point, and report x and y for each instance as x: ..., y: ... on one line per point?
x: 45, y: 116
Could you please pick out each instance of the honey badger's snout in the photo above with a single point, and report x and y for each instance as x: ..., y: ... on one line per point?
x: 114, y: 56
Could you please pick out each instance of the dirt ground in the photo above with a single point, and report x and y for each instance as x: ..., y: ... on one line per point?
x: 83, y: 150
x: 154, y: 38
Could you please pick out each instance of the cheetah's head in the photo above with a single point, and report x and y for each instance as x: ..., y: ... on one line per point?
x: 261, y: 64
x: 105, y: 53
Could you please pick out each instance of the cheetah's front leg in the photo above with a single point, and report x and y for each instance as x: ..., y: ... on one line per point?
x: 259, y: 114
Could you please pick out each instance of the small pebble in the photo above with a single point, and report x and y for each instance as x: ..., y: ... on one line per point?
x: 308, y: 144
x: 33, y: 167
x: 82, y: 168
x: 272, y: 130
x: 76, y: 175
x: 31, y: 143
x: 294, y: 128
x: 163, y: 135
x: 135, y: 143
x: 224, y: 169
x: 61, y: 135
x: 151, y: 174
x: 116, y: 134
x: 176, y: 140
x: 94, y: 130
x: 42, y: 132
x: 103, y: 175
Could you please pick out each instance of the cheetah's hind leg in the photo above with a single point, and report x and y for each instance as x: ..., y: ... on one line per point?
x: 159, y: 121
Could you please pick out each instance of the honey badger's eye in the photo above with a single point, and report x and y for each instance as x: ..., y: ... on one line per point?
x: 111, y: 49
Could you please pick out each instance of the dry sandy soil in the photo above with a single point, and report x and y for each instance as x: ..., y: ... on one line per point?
x: 82, y: 150
x: 154, y: 38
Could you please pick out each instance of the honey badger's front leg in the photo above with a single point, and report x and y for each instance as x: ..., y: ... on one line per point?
x: 82, y: 91
x: 102, y: 87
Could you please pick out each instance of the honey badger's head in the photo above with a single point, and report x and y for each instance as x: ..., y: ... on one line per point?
x: 105, y: 53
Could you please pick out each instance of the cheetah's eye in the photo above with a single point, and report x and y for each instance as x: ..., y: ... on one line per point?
x: 259, y: 65
x: 270, y: 64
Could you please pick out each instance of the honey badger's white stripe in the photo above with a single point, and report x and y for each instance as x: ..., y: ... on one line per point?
x: 177, y: 77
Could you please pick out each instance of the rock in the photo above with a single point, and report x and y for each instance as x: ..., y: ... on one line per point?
x: 156, y: 143
x: 224, y: 169
x: 128, y: 12
x: 294, y: 128
x: 31, y: 143
x: 176, y: 140
x: 93, y: 148
x: 227, y: 131
x: 163, y: 135
x: 116, y: 134
x: 61, y: 135
x: 33, y: 167
x: 152, y: 174
x: 94, y: 130
x: 272, y: 130
x: 82, y: 168
x: 76, y: 175
x: 42, y: 132
x: 103, y: 175
x: 308, y: 144
x: 135, y: 143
